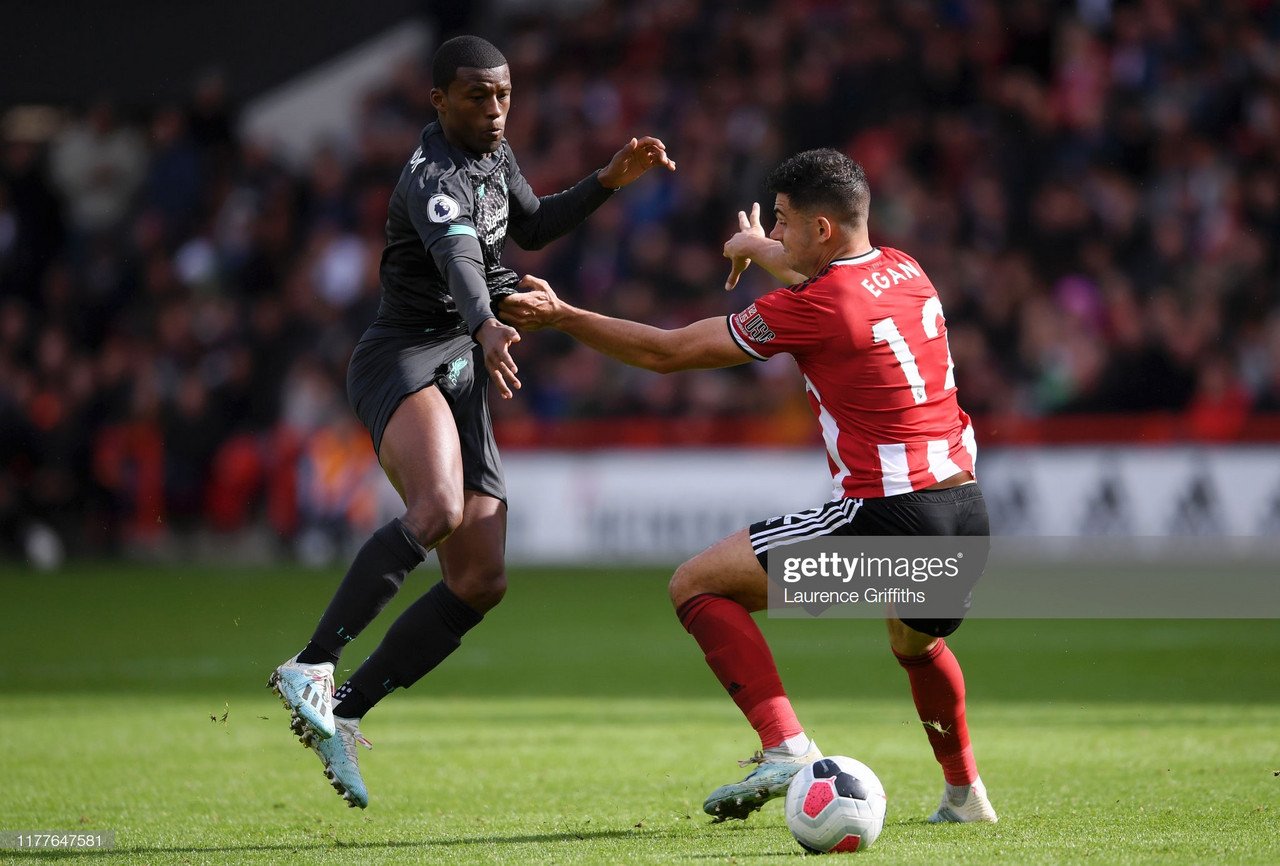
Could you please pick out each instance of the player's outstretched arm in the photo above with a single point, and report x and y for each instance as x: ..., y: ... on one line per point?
x: 701, y: 346
x: 751, y: 244
x: 535, y: 221
x: 636, y: 157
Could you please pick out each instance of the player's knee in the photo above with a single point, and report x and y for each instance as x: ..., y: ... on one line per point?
x: 907, y: 641
x: 482, y: 590
x: 433, y: 518
x: 684, y: 584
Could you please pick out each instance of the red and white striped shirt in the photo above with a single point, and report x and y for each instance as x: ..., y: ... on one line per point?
x: 869, y: 336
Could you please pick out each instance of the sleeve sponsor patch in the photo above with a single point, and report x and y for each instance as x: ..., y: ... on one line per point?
x: 754, y: 325
x: 442, y: 209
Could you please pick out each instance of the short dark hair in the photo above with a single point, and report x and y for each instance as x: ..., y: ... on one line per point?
x: 824, y: 179
x: 463, y: 51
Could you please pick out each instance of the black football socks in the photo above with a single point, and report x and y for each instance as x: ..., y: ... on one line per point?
x: 375, y: 576
x: 353, y: 703
x: 425, y: 634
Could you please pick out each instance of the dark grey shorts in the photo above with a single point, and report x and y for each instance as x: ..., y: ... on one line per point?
x: 389, y: 364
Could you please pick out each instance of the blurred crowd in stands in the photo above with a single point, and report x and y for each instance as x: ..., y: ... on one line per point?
x: 1093, y: 186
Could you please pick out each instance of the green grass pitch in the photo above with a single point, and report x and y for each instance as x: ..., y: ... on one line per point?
x: 579, y: 725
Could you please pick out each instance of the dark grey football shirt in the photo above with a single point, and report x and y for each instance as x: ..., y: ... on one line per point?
x: 447, y: 225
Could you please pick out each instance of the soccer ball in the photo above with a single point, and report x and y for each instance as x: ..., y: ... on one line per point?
x: 835, y: 804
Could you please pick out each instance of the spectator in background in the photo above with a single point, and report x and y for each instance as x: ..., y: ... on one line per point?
x: 33, y: 232
x: 98, y: 165
x: 174, y: 182
x: 211, y: 119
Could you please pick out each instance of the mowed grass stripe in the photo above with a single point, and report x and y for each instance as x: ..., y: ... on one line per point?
x: 609, y: 632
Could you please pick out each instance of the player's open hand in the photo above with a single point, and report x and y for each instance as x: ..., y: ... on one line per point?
x: 738, y: 248
x: 533, y: 309
x: 496, y: 340
x: 636, y: 157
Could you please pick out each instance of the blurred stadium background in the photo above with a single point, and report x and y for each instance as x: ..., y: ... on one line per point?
x: 192, y: 209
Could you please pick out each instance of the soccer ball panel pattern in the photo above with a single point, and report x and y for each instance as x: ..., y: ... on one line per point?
x: 835, y: 804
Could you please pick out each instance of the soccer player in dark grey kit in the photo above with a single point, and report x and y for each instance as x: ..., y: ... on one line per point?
x: 418, y: 380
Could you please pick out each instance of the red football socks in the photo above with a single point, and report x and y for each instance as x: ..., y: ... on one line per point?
x: 738, y: 655
x: 937, y: 686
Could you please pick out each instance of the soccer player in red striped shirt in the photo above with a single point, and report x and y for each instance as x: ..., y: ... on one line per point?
x: 867, y: 331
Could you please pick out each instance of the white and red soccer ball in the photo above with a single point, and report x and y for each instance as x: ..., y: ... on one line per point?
x: 835, y: 805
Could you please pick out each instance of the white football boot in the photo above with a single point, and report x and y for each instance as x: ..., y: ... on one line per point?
x: 966, y: 804
x: 307, y: 693
x: 774, y: 771
x: 341, y: 763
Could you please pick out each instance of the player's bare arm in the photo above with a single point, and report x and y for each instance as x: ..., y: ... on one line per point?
x: 703, y: 345
x: 635, y: 158
x: 751, y: 244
